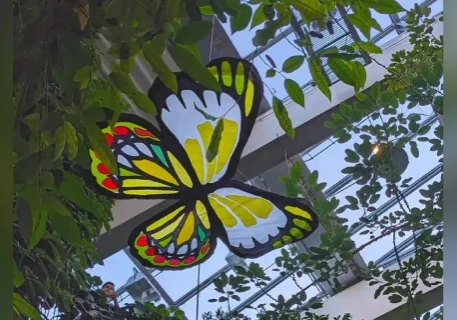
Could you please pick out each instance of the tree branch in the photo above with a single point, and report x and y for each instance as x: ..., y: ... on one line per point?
x: 382, y: 235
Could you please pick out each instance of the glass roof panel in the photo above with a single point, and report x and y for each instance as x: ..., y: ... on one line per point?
x: 279, y: 53
x: 437, y: 7
x: 379, y: 248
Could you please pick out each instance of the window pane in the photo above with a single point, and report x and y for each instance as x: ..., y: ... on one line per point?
x: 216, y: 262
x: 437, y: 7
x: 187, y: 279
x: 190, y: 307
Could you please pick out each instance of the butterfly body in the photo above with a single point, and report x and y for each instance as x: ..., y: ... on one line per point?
x: 172, y: 163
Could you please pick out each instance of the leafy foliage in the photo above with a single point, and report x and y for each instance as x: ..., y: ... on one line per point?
x: 377, y: 117
x: 74, y: 60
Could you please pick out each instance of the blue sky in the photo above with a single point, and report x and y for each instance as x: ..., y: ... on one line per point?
x: 118, y: 268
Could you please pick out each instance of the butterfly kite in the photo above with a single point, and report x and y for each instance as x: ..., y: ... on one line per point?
x: 172, y: 164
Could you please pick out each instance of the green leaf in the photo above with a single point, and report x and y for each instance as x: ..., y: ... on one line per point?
x: 262, y: 36
x: 169, y: 11
x: 271, y: 61
x: 296, y: 171
x: 295, y: 92
x: 385, y: 6
x: 54, y: 205
x: 368, y: 47
x: 213, y: 148
x: 342, y: 56
x: 313, y: 177
x: 342, y: 70
x: 292, y: 63
x: 216, y: 6
x: 395, y: 298
x: 352, y: 200
x: 352, y: 156
x: 283, y: 117
x: 241, y: 20
x: 40, y: 217
x: 359, y: 74
x: 143, y: 102
x: 438, y: 70
x: 83, y: 76
x: 429, y: 75
x: 71, y: 140
x: 375, y: 90
x: 25, y: 308
x: 193, y: 32
x: 124, y: 50
x: 18, y: 277
x: 25, y: 219
x: 315, y: 68
x: 310, y: 9
x: 66, y: 227
x: 414, y: 149
x: 270, y: 73
x: 99, y: 145
x: 153, y: 56
x: 423, y: 130
x: 123, y: 82
x: 187, y: 62
x: 73, y: 189
x: 60, y: 139
x: 193, y: 10
x: 21, y: 147
x: 258, y: 17
x: 364, y: 23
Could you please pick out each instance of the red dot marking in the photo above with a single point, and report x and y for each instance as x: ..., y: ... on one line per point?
x: 121, y: 131
x: 159, y: 259
x: 142, y: 242
x: 150, y: 252
x: 174, y: 262
x: 144, y: 133
x: 205, y: 249
x: 109, y: 183
x: 109, y: 138
x: 189, y: 260
x: 102, y: 168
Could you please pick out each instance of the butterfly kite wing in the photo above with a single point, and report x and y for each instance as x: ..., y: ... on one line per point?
x: 254, y: 222
x: 179, y: 237
x: 191, y: 116
x: 147, y: 169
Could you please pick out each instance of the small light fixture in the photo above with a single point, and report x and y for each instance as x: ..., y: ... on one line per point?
x: 390, y: 162
x: 139, y: 288
x: 234, y: 261
x: 375, y: 149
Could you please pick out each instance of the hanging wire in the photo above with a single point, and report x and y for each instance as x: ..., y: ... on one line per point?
x: 211, y: 40
x: 197, y: 308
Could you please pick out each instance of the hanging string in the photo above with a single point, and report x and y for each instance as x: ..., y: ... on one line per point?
x: 197, y: 307
x: 197, y: 311
x: 211, y: 40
